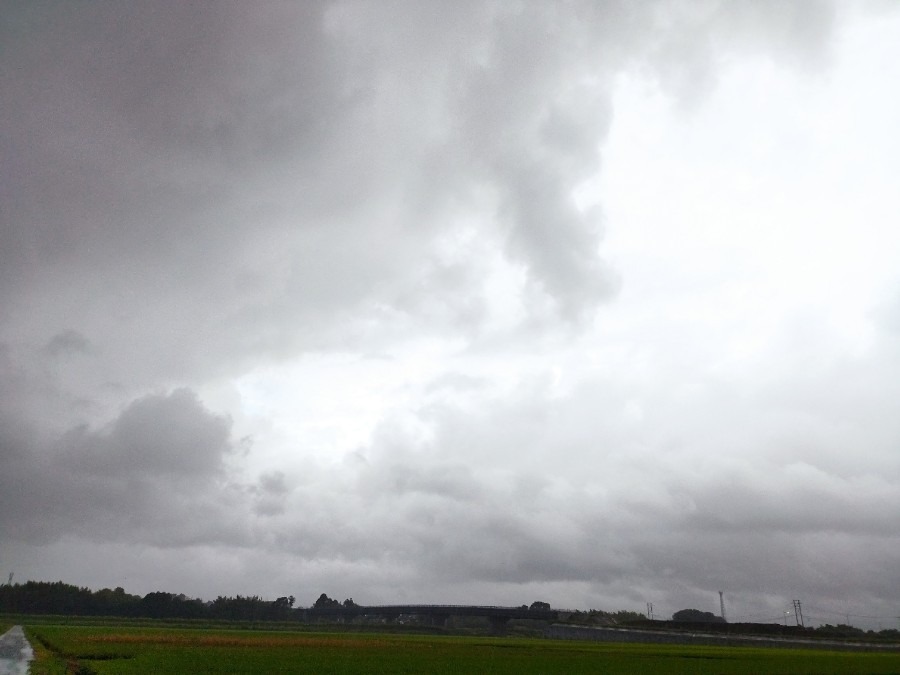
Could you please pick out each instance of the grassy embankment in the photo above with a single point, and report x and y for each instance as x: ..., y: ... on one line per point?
x: 46, y: 662
x: 122, y: 650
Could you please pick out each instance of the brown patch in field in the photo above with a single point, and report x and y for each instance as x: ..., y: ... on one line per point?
x: 239, y: 641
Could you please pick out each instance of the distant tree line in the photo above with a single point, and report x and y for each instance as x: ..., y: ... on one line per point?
x: 598, y: 617
x: 707, y: 621
x: 42, y: 597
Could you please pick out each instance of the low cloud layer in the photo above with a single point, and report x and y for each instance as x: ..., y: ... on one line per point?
x: 155, y: 474
x: 470, y: 303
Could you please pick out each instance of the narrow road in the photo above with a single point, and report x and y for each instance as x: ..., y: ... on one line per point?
x: 15, y: 652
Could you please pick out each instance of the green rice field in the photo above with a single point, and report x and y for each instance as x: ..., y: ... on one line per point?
x: 127, y: 649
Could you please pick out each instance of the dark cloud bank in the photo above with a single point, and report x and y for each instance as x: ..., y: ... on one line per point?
x: 191, y: 191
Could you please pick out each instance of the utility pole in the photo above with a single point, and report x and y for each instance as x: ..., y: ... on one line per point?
x: 798, y: 613
x: 722, y: 605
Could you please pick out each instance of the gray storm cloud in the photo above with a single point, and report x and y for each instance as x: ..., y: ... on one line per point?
x: 166, y: 148
x: 156, y: 435
x: 150, y: 474
x: 192, y: 192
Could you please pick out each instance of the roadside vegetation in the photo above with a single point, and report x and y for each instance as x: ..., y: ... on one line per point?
x: 45, y: 661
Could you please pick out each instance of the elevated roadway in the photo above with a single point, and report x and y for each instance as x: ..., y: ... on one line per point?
x: 434, y: 614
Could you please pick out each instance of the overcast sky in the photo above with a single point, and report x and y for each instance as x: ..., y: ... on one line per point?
x: 593, y: 303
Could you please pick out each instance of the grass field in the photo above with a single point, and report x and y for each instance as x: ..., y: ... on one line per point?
x: 116, y: 649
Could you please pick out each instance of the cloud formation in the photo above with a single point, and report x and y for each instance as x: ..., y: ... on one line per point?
x: 153, y: 474
x: 470, y: 302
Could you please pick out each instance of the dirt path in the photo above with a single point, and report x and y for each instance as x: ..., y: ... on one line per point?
x: 15, y: 652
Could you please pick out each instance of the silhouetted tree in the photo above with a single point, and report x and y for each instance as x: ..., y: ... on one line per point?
x: 324, y: 602
x: 696, y: 616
